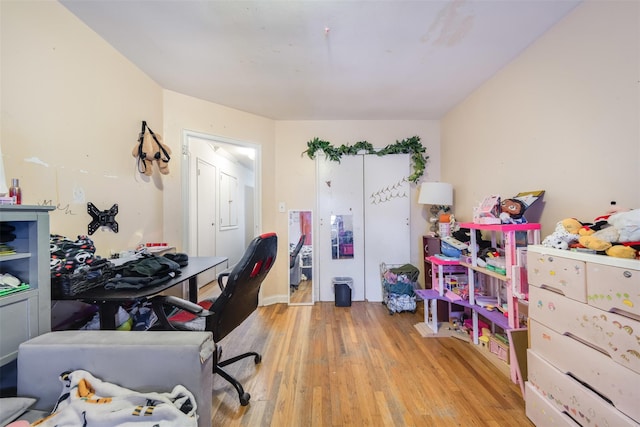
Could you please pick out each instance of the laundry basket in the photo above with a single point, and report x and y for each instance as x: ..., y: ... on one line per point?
x: 399, y: 282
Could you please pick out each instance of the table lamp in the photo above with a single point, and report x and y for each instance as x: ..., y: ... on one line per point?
x: 440, y: 196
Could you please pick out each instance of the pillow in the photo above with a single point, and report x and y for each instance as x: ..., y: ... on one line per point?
x: 12, y: 407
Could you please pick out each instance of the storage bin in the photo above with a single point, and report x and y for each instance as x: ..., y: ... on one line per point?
x: 500, y: 349
x: 563, y: 275
x: 565, y: 394
x: 542, y: 413
x: 613, y: 334
x: 614, y: 289
x: 588, y: 366
x: 342, y: 287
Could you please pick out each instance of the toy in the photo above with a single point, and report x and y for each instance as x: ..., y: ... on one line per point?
x: 512, y: 211
x: 488, y: 212
x: 628, y: 225
x: 622, y: 228
x: 621, y: 251
x: 572, y: 225
x: 598, y: 224
x: 565, y: 233
x: 149, y: 149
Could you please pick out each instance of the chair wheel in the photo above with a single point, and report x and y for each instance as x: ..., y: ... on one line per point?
x: 257, y: 359
x: 244, y: 399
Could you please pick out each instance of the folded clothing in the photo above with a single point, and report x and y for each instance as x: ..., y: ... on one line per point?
x: 179, y: 257
x: 150, y: 270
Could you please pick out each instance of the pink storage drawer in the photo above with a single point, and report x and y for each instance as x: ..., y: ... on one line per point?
x: 611, y: 380
x: 500, y: 349
x: 567, y: 395
x: 615, y: 288
x: 542, y: 413
x: 549, y: 269
x: 612, y: 333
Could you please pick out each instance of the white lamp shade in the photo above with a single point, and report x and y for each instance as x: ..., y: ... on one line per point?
x: 436, y: 193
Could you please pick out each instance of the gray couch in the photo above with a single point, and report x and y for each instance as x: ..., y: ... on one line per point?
x: 141, y: 361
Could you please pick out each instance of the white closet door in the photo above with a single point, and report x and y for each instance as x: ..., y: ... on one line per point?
x: 387, y: 208
x: 340, y: 189
x: 206, y: 208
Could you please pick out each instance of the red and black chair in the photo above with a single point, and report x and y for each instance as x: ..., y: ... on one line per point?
x: 221, y: 315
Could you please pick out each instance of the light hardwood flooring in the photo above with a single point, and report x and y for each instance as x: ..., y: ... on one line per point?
x: 354, y: 366
x: 302, y: 294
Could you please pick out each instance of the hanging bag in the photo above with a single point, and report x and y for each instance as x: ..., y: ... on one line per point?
x: 150, y: 149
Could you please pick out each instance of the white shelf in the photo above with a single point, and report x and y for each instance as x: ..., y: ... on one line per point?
x: 25, y: 314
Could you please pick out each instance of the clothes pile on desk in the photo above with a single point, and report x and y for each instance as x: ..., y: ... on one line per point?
x: 148, y: 270
x: 75, y: 267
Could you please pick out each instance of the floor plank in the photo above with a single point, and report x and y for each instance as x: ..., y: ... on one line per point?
x: 352, y: 366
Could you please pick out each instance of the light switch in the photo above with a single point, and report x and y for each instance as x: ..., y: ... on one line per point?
x: 281, y: 207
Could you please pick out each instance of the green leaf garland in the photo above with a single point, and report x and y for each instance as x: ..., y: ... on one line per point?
x: 411, y: 146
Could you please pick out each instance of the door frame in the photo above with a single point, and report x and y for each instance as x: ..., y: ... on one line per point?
x: 189, y: 192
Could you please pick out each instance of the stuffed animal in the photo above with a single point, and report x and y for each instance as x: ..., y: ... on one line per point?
x: 622, y: 228
x: 622, y: 251
x: 149, y: 149
x: 512, y: 211
x: 566, y: 233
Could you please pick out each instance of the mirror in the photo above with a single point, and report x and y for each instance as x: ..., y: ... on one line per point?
x: 341, y: 236
x: 300, y: 257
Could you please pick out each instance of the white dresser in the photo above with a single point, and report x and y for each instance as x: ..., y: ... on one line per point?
x: 584, y: 358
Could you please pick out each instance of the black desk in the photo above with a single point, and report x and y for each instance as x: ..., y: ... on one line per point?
x: 109, y: 300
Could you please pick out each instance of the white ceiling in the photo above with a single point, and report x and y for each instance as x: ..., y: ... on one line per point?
x: 323, y: 60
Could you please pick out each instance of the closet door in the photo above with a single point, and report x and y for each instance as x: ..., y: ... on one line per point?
x: 387, y: 208
x: 340, y: 195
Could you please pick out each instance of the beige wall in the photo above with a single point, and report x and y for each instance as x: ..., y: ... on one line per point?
x: 71, y: 113
x: 563, y: 117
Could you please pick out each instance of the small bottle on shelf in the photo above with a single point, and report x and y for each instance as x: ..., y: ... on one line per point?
x: 444, y: 225
x: 15, y: 191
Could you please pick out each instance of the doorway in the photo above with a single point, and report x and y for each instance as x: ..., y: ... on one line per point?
x: 216, y: 227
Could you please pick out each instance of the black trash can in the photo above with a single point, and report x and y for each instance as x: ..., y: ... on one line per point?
x: 342, y: 289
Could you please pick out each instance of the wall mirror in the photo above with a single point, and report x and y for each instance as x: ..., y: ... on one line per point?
x: 341, y: 236
x: 301, y: 266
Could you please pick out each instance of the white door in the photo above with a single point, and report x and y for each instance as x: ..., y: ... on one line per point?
x: 387, y: 207
x: 206, y: 208
x: 340, y: 195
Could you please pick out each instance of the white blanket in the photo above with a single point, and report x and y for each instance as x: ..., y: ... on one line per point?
x: 89, y: 402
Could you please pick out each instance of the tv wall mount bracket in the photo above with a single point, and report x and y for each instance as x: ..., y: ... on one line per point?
x: 102, y: 218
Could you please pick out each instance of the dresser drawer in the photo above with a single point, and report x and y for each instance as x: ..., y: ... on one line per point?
x: 568, y: 395
x: 564, y: 275
x: 615, y: 289
x: 616, y: 335
x: 542, y: 413
x: 596, y: 370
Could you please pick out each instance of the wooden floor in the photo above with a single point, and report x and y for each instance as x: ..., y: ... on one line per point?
x: 302, y: 294
x: 354, y: 366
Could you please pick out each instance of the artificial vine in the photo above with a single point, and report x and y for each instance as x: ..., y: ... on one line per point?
x: 411, y: 146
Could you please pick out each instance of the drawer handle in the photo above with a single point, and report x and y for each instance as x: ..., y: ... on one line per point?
x: 627, y: 274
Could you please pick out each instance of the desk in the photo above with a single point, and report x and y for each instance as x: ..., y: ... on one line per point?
x: 109, y: 300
